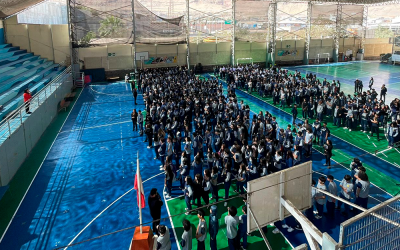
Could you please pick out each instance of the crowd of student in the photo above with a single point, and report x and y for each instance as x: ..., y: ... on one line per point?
x: 193, y: 124
x: 320, y: 99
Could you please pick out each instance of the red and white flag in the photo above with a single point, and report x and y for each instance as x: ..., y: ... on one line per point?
x: 139, y: 187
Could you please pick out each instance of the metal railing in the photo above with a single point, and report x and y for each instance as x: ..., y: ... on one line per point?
x: 376, y: 228
x: 16, y: 118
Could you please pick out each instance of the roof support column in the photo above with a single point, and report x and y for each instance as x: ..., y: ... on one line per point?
x: 338, y: 33
x: 233, y: 32
x: 187, y: 37
x: 308, y: 35
x: 271, y: 39
x: 364, y: 27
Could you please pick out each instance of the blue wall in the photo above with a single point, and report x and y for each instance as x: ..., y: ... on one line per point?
x: 1, y: 35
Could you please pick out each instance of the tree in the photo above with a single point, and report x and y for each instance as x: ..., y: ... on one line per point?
x: 111, y: 27
x: 85, y: 41
x: 381, y: 32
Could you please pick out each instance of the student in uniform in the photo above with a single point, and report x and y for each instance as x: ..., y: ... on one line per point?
x: 320, y: 198
x: 332, y: 188
x: 214, y: 183
x: 362, y: 189
x: 346, y: 192
x: 213, y: 227
x: 188, y: 193
x: 140, y: 122
x: 201, y: 231
x: 241, y: 179
x: 186, y: 242
x: 163, y: 241
x: 227, y: 176
x: 232, y: 221
x: 328, y: 153
x: 242, y: 233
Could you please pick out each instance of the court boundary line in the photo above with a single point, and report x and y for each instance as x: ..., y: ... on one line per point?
x: 33, y: 179
x: 170, y: 221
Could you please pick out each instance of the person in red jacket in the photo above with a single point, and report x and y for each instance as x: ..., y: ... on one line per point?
x: 27, y: 100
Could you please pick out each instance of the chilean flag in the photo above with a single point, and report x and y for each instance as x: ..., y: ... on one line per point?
x: 139, y: 186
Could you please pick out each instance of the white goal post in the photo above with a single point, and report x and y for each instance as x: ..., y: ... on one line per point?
x: 244, y: 60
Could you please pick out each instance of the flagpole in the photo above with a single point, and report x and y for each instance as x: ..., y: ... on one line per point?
x: 139, y: 192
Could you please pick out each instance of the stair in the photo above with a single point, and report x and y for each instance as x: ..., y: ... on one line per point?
x: 20, y: 70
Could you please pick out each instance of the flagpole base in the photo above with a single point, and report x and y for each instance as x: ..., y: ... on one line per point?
x: 142, y: 241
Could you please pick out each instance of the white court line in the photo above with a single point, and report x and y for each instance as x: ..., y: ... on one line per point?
x: 112, y: 203
x: 16, y: 210
x: 105, y: 125
x: 172, y: 223
x: 374, y: 145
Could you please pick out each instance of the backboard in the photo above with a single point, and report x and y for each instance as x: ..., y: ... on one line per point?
x: 264, y: 194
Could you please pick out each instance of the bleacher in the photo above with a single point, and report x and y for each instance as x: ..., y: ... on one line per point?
x: 20, y: 70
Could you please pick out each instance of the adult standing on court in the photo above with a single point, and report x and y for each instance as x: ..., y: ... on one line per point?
x: 371, y: 82
x: 383, y: 92
x: 134, y: 117
x: 27, y: 100
x: 375, y: 126
x: 155, y: 204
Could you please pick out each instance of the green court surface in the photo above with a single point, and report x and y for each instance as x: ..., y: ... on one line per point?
x: 25, y: 174
x: 255, y: 241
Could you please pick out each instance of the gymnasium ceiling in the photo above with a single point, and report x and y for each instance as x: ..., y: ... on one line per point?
x: 12, y: 7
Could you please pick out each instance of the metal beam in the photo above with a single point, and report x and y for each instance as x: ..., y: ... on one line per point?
x: 308, y: 35
x: 271, y: 40
x: 187, y: 37
x: 338, y: 32
x: 306, y: 224
x: 364, y: 26
x: 259, y: 229
x: 366, y: 211
x: 233, y: 32
x: 134, y: 37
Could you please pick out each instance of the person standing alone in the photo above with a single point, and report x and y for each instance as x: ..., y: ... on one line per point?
x: 27, y: 100
x: 155, y: 204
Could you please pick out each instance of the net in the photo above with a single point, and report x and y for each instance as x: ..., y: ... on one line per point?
x: 291, y: 20
x: 352, y: 17
x: 161, y: 28
x: 210, y: 21
x: 323, y: 20
x: 101, y: 22
x: 251, y: 20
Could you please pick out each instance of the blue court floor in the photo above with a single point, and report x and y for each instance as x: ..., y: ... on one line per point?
x: 90, y: 166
